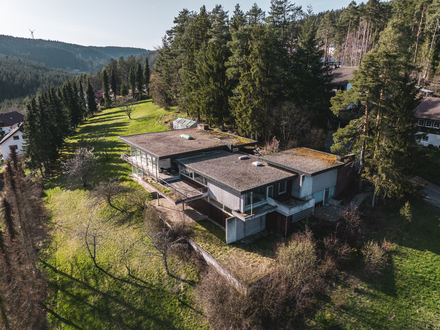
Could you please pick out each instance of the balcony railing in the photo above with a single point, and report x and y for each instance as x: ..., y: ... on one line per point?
x: 182, y: 193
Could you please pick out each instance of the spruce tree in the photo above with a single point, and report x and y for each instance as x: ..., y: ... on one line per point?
x: 124, y: 90
x: 147, y: 75
x: 140, y: 80
x: 132, y: 81
x: 106, y: 88
x: 91, y: 101
x: 113, y: 85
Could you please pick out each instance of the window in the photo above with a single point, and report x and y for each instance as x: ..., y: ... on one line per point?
x: 421, y: 122
x: 270, y: 191
x: 282, y: 187
x: 436, y: 124
x: 256, y: 196
x: 14, y: 147
x: 16, y: 137
x: 428, y: 123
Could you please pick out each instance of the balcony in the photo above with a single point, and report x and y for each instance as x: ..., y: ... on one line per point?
x: 290, y: 205
x: 173, y: 188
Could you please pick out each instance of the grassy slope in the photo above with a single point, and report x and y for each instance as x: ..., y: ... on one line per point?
x: 407, y: 294
x: 85, y: 297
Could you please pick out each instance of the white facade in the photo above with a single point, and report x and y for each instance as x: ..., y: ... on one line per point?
x: 14, y: 140
x: 321, y: 186
x: 433, y: 139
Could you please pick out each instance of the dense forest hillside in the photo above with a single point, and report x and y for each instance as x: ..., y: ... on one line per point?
x: 56, y: 54
x: 20, y: 78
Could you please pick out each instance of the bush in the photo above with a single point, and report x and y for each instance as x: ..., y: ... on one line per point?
x: 375, y: 258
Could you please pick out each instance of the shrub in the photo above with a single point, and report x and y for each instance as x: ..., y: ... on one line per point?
x: 375, y: 258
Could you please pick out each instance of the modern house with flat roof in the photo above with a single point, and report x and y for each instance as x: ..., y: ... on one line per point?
x: 243, y: 193
x: 428, y: 121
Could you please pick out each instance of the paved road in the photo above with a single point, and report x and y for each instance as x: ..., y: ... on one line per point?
x: 432, y: 194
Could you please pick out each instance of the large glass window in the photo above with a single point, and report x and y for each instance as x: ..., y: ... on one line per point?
x: 421, y: 122
x: 256, y: 196
x: 436, y: 124
x: 428, y: 123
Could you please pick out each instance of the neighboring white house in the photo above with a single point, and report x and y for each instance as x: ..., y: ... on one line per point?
x: 428, y: 121
x: 14, y: 138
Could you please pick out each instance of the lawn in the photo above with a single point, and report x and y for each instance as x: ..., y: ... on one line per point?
x: 429, y: 163
x: 85, y: 297
x: 407, y: 294
x: 247, y: 262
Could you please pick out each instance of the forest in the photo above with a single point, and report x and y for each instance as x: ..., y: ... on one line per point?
x: 255, y: 70
x: 81, y: 243
x: 56, y: 54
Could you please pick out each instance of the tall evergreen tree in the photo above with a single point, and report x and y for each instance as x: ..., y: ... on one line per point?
x: 140, y: 80
x: 106, y: 88
x: 91, y: 101
x: 307, y: 77
x: 132, y: 82
x: 147, y: 76
x: 113, y: 84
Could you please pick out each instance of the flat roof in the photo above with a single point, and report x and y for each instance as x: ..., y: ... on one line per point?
x: 341, y: 75
x: 170, y: 143
x: 228, y: 170
x: 304, y: 160
x: 429, y: 109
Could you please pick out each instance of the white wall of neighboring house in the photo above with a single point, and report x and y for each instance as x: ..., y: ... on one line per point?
x: 17, y: 140
x: 433, y: 139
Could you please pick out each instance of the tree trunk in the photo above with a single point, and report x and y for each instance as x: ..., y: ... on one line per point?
x: 430, y: 49
x: 362, y: 153
x: 419, y: 31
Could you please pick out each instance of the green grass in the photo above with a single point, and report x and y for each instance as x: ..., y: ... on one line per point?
x: 247, y: 262
x: 407, y: 294
x: 84, y: 297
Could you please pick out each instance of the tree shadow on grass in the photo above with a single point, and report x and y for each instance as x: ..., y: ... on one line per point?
x: 123, y: 304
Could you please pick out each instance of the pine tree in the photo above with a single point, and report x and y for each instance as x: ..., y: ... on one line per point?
x: 307, y: 77
x: 147, y: 75
x: 113, y: 85
x: 140, y: 80
x: 82, y: 101
x: 132, y: 81
x: 91, y: 101
x: 106, y: 88
x: 384, y: 136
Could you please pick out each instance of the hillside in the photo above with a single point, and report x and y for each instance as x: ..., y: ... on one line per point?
x: 22, y: 78
x: 56, y: 54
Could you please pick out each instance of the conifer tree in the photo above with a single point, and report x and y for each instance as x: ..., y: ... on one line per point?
x: 113, y: 85
x: 82, y: 101
x: 91, y: 101
x: 106, y: 88
x: 147, y: 75
x: 140, y: 80
x: 132, y: 81
x: 124, y: 90
x: 307, y: 77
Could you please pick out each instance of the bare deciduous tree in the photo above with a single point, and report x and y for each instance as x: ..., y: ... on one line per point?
x: 81, y: 165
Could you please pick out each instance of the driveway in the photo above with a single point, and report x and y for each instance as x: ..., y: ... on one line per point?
x: 431, y: 190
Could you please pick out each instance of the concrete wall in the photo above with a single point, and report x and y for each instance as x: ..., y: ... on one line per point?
x: 219, y: 267
x: 221, y: 195
x: 324, y: 180
x: 237, y: 229
x: 302, y: 188
x: 10, y: 142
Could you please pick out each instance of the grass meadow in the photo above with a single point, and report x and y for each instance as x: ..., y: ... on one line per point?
x: 131, y: 290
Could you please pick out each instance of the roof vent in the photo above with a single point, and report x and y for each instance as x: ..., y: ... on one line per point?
x: 257, y: 163
x: 186, y: 137
x: 243, y: 157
